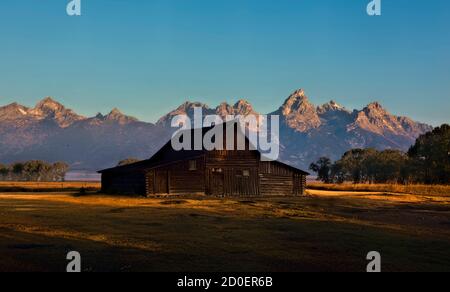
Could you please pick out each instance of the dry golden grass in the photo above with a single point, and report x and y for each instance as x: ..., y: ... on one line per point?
x: 382, y: 197
x: 324, y: 231
x: 47, y: 186
x: 425, y: 190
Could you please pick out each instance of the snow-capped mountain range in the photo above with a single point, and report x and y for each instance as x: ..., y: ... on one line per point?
x: 49, y: 131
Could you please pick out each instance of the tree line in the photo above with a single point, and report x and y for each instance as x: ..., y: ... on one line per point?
x: 34, y: 170
x: 427, y: 162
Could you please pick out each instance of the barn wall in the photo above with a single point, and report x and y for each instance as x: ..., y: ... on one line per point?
x: 178, y: 177
x: 225, y: 173
x: 301, y: 185
x: 185, y: 181
x: 277, y: 180
x: 150, y: 182
x: 220, y: 174
x: 124, y: 183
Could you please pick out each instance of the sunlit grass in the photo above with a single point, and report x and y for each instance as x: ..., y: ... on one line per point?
x: 201, y: 233
x: 426, y: 190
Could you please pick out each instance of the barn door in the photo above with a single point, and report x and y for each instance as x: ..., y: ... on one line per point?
x: 217, y: 184
x: 245, y: 182
x: 162, y: 182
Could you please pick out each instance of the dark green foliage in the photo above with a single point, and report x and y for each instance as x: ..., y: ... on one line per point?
x: 323, y: 169
x: 370, y: 166
x: 431, y: 155
x: 34, y: 170
x: 428, y: 161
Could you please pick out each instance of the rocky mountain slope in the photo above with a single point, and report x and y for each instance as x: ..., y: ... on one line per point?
x: 50, y: 131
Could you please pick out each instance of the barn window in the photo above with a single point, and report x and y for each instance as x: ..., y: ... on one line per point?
x: 192, y: 165
x: 243, y: 173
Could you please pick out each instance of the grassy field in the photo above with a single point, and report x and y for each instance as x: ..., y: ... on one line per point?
x: 323, y: 231
x: 428, y: 190
x: 48, y: 186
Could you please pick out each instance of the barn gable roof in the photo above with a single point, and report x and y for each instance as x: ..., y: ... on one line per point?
x: 166, y: 156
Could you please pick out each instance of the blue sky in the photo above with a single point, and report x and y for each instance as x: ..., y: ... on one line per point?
x: 148, y: 56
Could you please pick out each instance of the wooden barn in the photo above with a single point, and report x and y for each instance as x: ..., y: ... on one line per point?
x: 216, y: 173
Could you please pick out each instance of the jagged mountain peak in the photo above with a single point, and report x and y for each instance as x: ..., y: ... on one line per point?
x: 375, y: 107
x: 12, y: 106
x: 224, y: 105
x: 376, y: 113
x: 299, y: 114
x: 297, y: 102
x: 331, y: 106
x: 48, y: 99
x: 299, y: 93
x: 187, y: 108
x: 224, y: 109
x: 242, y: 102
x: 244, y: 107
x: 48, y: 108
x: 375, y: 104
x: 376, y: 119
x: 49, y: 104
x: 241, y: 107
x: 12, y: 111
x: 116, y: 111
x: 116, y: 115
x: 334, y: 105
x: 189, y: 105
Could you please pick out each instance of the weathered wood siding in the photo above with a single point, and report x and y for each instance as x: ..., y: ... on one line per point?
x: 177, y: 178
x: 232, y: 173
x: 150, y: 183
x: 124, y: 183
x: 183, y: 180
x: 277, y: 179
x: 299, y: 184
x: 218, y: 173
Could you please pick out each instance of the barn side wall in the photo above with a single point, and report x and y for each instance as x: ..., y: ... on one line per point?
x: 180, y: 179
x: 124, y: 183
x: 279, y: 180
x: 226, y: 173
x: 301, y: 185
